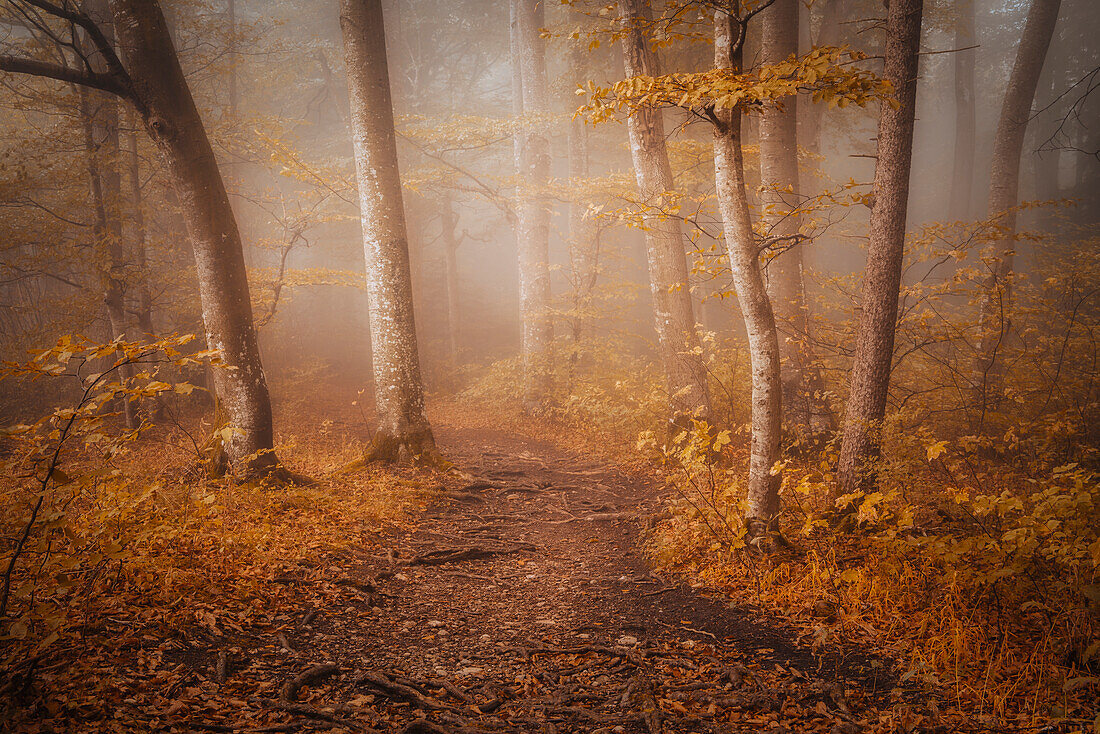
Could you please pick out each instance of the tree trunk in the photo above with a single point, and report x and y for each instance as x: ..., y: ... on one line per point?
x: 449, y: 221
x: 399, y: 392
x: 811, y: 116
x: 173, y: 121
x: 137, y: 215
x: 767, y: 404
x: 1004, y: 185
x: 870, y: 378
x: 100, y: 117
x: 805, y: 411
x: 680, y: 348
x: 582, y: 231
x: 962, y: 176
x: 533, y: 226
x: 231, y: 13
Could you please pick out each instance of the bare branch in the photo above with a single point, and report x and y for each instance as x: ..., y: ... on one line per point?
x: 31, y: 67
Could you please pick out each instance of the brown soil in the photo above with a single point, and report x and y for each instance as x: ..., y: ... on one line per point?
x: 522, y: 603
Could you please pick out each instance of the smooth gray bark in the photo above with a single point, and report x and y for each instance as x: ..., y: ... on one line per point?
x: 533, y: 213
x: 680, y: 347
x: 756, y: 308
x: 398, y: 390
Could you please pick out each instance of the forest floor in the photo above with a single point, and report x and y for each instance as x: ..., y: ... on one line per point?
x: 520, y: 601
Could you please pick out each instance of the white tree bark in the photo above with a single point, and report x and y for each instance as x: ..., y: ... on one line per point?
x: 680, y: 348
x: 744, y: 251
x: 399, y: 392
x: 533, y: 212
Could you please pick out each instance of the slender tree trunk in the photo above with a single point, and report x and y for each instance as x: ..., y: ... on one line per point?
x: 1004, y: 186
x: 870, y: 380
x: 137, y: 215
x: 805, y: 410
x: 680, y: 348
x: 231, y: 12
x: 962, y: 175
x: 399, y: 392
x: 449, y: 222
x: 811, y: 116
x: 533, y: 211
x: 744, y: 251
x: 582, y: 230
x: 173, y: 121
x: 100, y: 117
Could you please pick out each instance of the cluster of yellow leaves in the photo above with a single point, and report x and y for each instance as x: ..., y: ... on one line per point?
x: 829, y: 73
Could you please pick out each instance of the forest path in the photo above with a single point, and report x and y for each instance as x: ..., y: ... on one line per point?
x: 521, y: 602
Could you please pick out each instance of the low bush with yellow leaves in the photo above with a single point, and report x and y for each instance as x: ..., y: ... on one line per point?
x: 114, y: 535
x: 979, y: 574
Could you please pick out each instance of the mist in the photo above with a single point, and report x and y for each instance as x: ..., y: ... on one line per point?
x: 783, y: 314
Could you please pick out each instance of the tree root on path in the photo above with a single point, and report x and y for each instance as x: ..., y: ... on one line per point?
x: 473, y: 553
x: 291, y: 688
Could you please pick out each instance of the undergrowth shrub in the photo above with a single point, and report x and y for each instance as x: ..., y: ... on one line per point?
x: 114, y: 537
x: 977, y: 574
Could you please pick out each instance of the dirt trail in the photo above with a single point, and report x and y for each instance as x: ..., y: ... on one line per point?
x: 521, y: 603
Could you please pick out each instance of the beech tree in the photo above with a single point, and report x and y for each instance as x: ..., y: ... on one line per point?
x: 804, y: 408
x: 398, y: 390
x: 99, y: 116
x: 762, y: 504
x: 448, y: 222
x: 146, y: 72
x: 680, y: 348
x: 533, y: 214
x: 1004, y: 186
x: 962, y: 174
x: 870, y: 376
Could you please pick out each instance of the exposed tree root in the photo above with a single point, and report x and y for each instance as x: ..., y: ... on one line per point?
x: 289, y: 692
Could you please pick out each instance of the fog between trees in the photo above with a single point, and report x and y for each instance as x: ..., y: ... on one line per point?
x: 808, y: 246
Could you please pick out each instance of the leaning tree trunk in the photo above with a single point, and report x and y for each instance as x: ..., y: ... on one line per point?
x: 172, y: 120
x: 398, y: 390
x: 805, y: 410
x: 962, y: 175
x: 680, y: 348
x: 762, y: 507
x: 1004, y: 185
x: 870, y: 380
x: 533, y: 225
